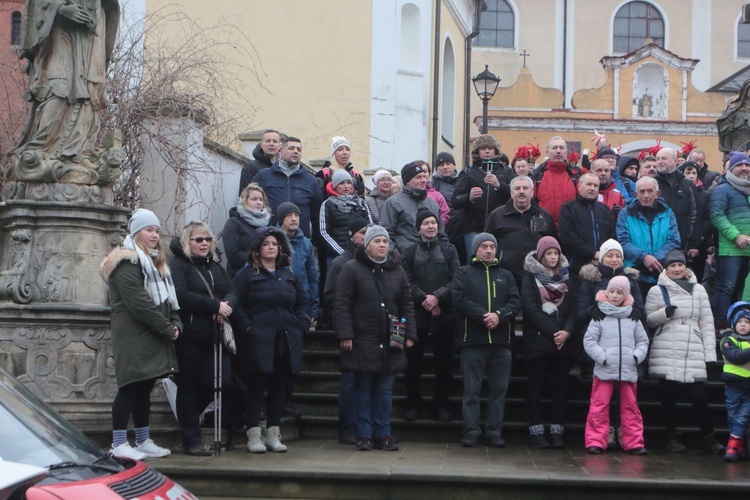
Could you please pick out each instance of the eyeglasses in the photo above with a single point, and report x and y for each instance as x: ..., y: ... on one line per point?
x: 201, y: 239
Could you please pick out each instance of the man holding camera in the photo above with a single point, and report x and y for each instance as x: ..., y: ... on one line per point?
x: 481, y: 188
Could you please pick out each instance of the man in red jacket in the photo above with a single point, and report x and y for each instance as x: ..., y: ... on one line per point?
x: 556, y: 179
x: 608, y: 193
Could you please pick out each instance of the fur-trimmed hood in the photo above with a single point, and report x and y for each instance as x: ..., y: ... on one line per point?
x: 590, y: 272
x: 115, y: 257
x: 533, y: 266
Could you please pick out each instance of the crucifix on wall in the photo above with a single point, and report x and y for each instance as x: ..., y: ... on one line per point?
x: 524, y: 54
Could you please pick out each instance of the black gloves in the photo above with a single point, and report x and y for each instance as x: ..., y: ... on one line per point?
x: 635, y: 314
x: 597, y: 314
x: 669, y: 311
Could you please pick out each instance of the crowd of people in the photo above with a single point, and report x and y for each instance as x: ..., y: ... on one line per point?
x: 620, y: 267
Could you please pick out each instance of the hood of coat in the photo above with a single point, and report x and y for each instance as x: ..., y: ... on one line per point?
x: 590, y: 272
x: 176, y: 248
x: 111, y: 261
x: 259, y: 155
x: 394, y: 259
x: 668, y: 282
x: 533, y: 266
x: 261, y: 234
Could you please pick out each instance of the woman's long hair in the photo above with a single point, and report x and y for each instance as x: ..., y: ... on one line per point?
x: 160, y: 259
x: 187, y: 233
x: 282, y: 259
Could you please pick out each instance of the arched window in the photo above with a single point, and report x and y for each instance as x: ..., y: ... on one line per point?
x: 410, y: 37
x: 634, y: 22
x: 15, y: 28
x: 449, y: 93
x: 496, y: 25
x: 743, y: 39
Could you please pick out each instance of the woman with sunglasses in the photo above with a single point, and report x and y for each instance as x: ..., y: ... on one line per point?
x: 252, y: 212
x: 207, y: 299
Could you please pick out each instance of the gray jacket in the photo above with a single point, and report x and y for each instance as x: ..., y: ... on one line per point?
x: 398, y: 216
x: 617, y: 345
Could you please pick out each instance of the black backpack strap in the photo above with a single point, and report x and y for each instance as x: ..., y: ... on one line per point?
x: 665, y: 295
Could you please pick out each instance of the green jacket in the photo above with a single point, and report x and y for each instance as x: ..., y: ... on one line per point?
x: 141, y: 331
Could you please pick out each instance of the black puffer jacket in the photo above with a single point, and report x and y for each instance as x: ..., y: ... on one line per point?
x: 359, y: 314
x: 539, y: 327
x: 277, y: 312
x: 584, y: 226
x: 430, y: 266
x: 474, y: 212
x: 679, y: 195
x: 250, y: 170
x: 595, y: 278
x: 237, y: 237
x: 196, y: 306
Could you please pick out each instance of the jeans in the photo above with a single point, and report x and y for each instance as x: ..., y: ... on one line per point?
x: 738, y: 410
x: 670, y: 389
x: 468, y: 241
x: 727, y: 277
x: 347, y: 399
x: 374, y: 395
x: 494, y: 361
x: 597, y: 422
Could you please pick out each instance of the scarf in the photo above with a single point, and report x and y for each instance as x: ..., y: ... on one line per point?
x: 616, y: 312
x: 741, y: 185
x: 685, y: 284
x: 552, y: 289
x: 256, y: 218
x: 159, y: 289
x: 288, y: 169
x: 346, y: 204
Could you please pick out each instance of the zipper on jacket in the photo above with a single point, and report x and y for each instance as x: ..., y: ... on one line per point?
x: 619, y: 334
x: 489, y: 299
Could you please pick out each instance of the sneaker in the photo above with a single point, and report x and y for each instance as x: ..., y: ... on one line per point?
x: 127, y: 451
x: 638, y: 451
x: 538, y: 441
x: 364, y: 444
x: 347, y: 437
x: 495, y: 442
x: 386, y: 444
x: 199, y: 451
x: 411, y: 414
x: 674, y: 444
x: 291, y: 411
x: 594, y: 450
x: 443, y: 415
x: 713, y: 445
x: 150, y: 449
x: 470, y: 441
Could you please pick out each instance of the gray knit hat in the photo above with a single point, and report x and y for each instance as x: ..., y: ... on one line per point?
x: 340, y: 176
x: 285, y: 209
x: 373, y: 232
x: 142, y: 218
x: 479, y: 239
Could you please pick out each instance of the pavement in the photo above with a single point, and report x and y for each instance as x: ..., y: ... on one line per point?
x: 449, y: 465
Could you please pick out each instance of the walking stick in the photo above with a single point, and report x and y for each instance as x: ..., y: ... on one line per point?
x: 217, y: 388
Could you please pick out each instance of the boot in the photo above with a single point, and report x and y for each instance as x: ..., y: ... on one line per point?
x: 735, y: 449
x: 254, y: 444
x: 674, y: 444
x: 273, y: 440
x: 713, y: 445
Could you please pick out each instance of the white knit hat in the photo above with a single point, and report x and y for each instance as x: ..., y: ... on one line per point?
x: 142, y: 219
x: 608, y: 245
x: 379, y: 175
x: 339, y: 141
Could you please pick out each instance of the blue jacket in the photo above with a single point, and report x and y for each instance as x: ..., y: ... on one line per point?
x: 625, y: 186
x: 639, y: 238
x: 305, y: 267
x: 301, y: 188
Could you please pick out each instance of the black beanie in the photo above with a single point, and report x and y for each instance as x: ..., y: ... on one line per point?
x: 285, y: 209
x: 674, y: 255
x: 443, y: 158
x: 606, y: 151
x: 356, y: 222
x: 422, y: 214
x: 410, y: 171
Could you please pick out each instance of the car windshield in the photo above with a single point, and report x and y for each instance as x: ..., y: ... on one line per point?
x: 33, y: 433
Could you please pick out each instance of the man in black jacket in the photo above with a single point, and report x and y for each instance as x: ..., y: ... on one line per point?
x: 585, y: 224
x: 481, y: 188
x: 486, y: 300
x: 265, y: 154
x: 430, y: 265
x: 518, y: 225
x: 679, y: 195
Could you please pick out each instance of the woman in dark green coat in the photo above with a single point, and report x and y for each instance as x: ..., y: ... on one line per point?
x: 145, y: 324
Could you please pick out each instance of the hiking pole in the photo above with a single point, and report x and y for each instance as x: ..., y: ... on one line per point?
x: 217, y: 388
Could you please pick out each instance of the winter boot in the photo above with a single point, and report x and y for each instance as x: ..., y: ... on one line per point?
x: 254, y: 444
x: 536, y: 437
x: 674, y: 444
x: 712, y: 444
x: 273, y: 440
x: 556, y: 436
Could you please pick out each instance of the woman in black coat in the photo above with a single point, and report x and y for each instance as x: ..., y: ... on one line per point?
x: 549, y: 317
x: 371, y: 291
x: 276, y: 316
x: 201, y: 313
x: 252, y: 212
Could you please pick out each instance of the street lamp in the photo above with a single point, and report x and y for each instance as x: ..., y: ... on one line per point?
x: 485, y: 84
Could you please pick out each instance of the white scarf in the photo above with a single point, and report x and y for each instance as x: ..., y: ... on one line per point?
x: 160, y: 289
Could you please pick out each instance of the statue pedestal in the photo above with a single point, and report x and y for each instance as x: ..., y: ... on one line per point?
x: 54, y: 313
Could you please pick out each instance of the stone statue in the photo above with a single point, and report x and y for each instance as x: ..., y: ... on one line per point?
x: 734, y: 122
x: 68, y: 44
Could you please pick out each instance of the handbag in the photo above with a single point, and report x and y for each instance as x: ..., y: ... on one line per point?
x: 225, y: 328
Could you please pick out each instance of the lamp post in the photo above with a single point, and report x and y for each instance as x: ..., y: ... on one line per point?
x: 485, y: 83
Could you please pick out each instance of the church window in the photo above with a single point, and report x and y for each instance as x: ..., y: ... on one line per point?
x: 634, y: 22
x: 496, y: 25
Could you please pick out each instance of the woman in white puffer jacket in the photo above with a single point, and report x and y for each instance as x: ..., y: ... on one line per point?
x: 683, y: 343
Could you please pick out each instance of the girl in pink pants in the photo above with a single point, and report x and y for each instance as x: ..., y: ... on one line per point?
x: 616, y: 344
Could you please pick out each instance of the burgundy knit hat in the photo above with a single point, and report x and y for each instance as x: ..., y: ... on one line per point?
x: 545, y: 244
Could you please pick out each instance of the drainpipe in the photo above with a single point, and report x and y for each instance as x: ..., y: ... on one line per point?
x: 468, y: 87
x: 436, y: 83
x: 565, y: 53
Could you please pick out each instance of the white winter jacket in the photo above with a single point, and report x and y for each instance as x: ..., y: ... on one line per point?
x: 684, y: 343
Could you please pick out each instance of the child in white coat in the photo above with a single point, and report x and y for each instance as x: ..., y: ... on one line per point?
x: 616, y: 344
